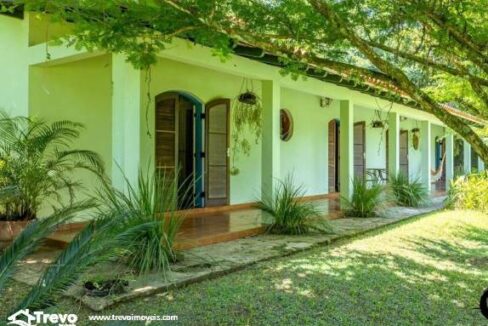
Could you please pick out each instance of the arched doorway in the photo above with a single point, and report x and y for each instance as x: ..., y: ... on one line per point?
x: 194, y: 144
x: 440, y: 152
x: 179, y: 144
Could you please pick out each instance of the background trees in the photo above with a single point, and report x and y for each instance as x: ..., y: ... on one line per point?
x: 431, y: 52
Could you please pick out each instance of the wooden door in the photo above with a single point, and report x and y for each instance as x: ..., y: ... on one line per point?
x: 217, y: 160
x: 404, y: 152
x: 359, y: 149
x: 166, y: 155
x: 333, y: 156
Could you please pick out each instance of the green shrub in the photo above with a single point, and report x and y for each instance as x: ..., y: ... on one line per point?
x: 469, y: 192
x: 290, y: 214
x: 365, y: 200
x: 407, y: 193
x: 36, y: 165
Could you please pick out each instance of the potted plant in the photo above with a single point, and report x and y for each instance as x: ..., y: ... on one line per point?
x: 36, y: 168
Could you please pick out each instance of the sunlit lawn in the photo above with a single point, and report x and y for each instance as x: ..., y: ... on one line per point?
x: 428, y: 271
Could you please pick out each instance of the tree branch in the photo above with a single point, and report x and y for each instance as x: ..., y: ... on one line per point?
x: 460, y: 72
x: 401, y: 79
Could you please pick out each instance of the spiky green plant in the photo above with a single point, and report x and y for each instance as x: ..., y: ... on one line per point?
x: 138, y: 223
x: 153, y: 200
x: 365, y: 200
x: 290, y: 214
x: 36, y: 164
x: 407, y: 193
x: 32, y: 236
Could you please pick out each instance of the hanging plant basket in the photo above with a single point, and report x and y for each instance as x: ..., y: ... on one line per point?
x: 415, y: 138
x: 246, y: 122
x: 377, y: 124
x: 248, y: 98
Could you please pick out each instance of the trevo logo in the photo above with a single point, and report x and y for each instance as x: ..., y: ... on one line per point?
x: 25, y: 318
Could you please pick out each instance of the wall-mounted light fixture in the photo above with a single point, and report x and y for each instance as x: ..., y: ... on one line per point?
x: 325, y: 102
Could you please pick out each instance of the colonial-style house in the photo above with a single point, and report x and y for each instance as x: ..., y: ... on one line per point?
x: 325, y: 129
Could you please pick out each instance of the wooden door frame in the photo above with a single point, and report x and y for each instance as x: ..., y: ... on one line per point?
x: 208, y: 106
x: 363, y: 123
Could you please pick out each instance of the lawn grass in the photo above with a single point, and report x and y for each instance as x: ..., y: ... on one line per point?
x: 430, y: 271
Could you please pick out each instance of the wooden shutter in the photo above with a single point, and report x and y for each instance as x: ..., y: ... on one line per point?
x: 166, y: 138
x: 332, y: 130
x: 404, y: 152
x: 217, y: 161
x: 359, y: 149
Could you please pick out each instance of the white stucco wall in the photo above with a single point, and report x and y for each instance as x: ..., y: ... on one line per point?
x: 80, y: 92
x: 305, y: 154
x: 206, y: 85
x: 13, y: 65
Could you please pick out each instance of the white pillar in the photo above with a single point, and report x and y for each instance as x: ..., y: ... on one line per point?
x: 126, y: 121
x: 449, y: 159
x: 426, y: 150
x: 393, y: 144
x: 467, y: 157
x: 270, y: 160
x: 346, y: 148
x: 481, y: 164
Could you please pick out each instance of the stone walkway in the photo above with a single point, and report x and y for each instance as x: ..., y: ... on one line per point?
x: 215, y: 260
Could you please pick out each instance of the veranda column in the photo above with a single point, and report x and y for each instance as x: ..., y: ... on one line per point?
x: 346, y: 148
x: 393, y: 144
x: 126, y: 123
x: 270, y: 160
x: 449, y: 159
x: 481, y: 164
x: 426, y: 150
x: 467, y: 157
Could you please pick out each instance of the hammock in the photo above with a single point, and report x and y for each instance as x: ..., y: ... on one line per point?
x: 437, y: 174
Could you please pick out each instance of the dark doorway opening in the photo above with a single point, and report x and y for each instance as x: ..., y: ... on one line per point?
x: 179, y: 144
x: 359, y: 150
x: 334, y: 155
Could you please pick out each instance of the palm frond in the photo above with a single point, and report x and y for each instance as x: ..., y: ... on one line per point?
x: 32, y: 236
x: 36, y: 161
x: 103, y: 239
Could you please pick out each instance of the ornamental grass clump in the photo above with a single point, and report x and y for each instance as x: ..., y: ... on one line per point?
x: 153, y: 202
x: 366, y: 200
x: 408, y: 193
x: 290, y: 214
x: 469, y: 192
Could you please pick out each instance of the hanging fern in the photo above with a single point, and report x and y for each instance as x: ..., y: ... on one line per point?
x: 247, y: 114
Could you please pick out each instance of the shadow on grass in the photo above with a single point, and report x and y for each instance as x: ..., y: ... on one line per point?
x: 419, y: 281
x: 351, y: 286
